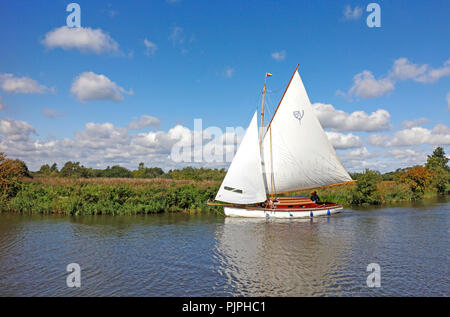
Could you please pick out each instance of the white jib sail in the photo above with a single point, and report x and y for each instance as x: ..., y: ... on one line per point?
x: 299, y: 153
x: 243, y: 183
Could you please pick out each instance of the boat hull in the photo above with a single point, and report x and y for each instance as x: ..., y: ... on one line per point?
x: 280, y: 213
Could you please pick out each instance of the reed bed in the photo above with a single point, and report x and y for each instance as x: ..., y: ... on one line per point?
x: 116, y: 196
x: 163, y: 182
x: 109, y: 196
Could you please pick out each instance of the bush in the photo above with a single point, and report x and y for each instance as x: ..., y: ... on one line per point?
x: 10, y: 173
x: 417, y: 178
x: 366, y: 191
x: 392, y: 192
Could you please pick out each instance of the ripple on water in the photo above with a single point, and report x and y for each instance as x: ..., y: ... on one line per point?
x: 204, y: 255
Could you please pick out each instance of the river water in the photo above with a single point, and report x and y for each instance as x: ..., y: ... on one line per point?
x: 208, y: 255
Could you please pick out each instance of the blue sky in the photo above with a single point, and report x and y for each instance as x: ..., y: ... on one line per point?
x: 207, y: 59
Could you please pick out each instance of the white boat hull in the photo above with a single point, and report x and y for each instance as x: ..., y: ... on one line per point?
x: 273, y: 213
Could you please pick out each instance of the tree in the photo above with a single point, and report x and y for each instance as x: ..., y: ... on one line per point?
x: 10, y: 172
x: 437, y: 163
x: 23, y: 168
x: 116, y: 171
x: 438, y: 159
x: 74, y: 169
x: 417, y: 178
x: 197, y: 174
x: 48, y: 171
x: 54, y: 168
x: 45, y: 170
x: 366, y: 191
x: 146, y: 172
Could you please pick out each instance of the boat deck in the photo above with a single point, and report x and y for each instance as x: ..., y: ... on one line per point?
x: 294, y: 203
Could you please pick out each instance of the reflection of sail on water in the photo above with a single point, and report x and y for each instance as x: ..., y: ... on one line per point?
x: 281, y: 258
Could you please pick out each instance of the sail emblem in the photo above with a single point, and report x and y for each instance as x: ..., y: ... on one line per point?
x: 299, y: 115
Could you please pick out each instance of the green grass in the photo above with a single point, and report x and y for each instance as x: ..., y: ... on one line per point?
x: 125, y: 196
x: 89, y: 198
x: 385, y: 192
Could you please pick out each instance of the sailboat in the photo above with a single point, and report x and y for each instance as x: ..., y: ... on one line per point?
x: 293, y: 153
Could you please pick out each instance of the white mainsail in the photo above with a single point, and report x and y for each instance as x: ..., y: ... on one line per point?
x: 243, y: 183
x: 295, y: 147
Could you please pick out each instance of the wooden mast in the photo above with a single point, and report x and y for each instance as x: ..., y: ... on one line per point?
x: 271, y: 167
x: 262, y: 115
x: 271, y: 163
x: 267, y: 130
x: 281, y: 100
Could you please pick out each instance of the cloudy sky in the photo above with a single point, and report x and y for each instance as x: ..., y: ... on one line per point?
x: 128, y: 84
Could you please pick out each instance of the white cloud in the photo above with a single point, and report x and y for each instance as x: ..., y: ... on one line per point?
x: 441, y: 129
x: 143, y: 122
x: 101, y: 135
x: 366, y: 86
x: 406, y: 154
x: 339, y: 120
x: 51, y: 113
x: 101, y: 144
x: 21, y: 85
x: 359, y: 159
x: 228, y: 72
x: 15, y: 130
x: 352, y: 14
x: 440, y: 135
x: 435, y: 74
x: 344, y: 141
x: 405, y: 157
x: 358, y: 154
x: 409, y: 124
x: 83, y: 39
x: 160, y: 142
x: 2, y: 104
x: 151, y: 47
x: 91, y: 86
x: 403, y: 69
x: 98, y: 145
x: 361, y: 165
x: 378, y: 140
x: 279, y: 56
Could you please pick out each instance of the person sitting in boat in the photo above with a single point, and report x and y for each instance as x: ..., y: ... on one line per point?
x: 315, y: 198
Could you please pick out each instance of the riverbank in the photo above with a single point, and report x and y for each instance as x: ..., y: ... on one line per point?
x: 125, y: 196
x: 112, y: 196
x: 384, y: 193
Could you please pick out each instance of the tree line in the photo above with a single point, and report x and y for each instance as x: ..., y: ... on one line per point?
x: 372, y: 187
x: 76, y: 170
x: 407, y: 183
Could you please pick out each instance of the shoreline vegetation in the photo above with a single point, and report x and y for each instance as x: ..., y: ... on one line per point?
x: 77, y: 190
